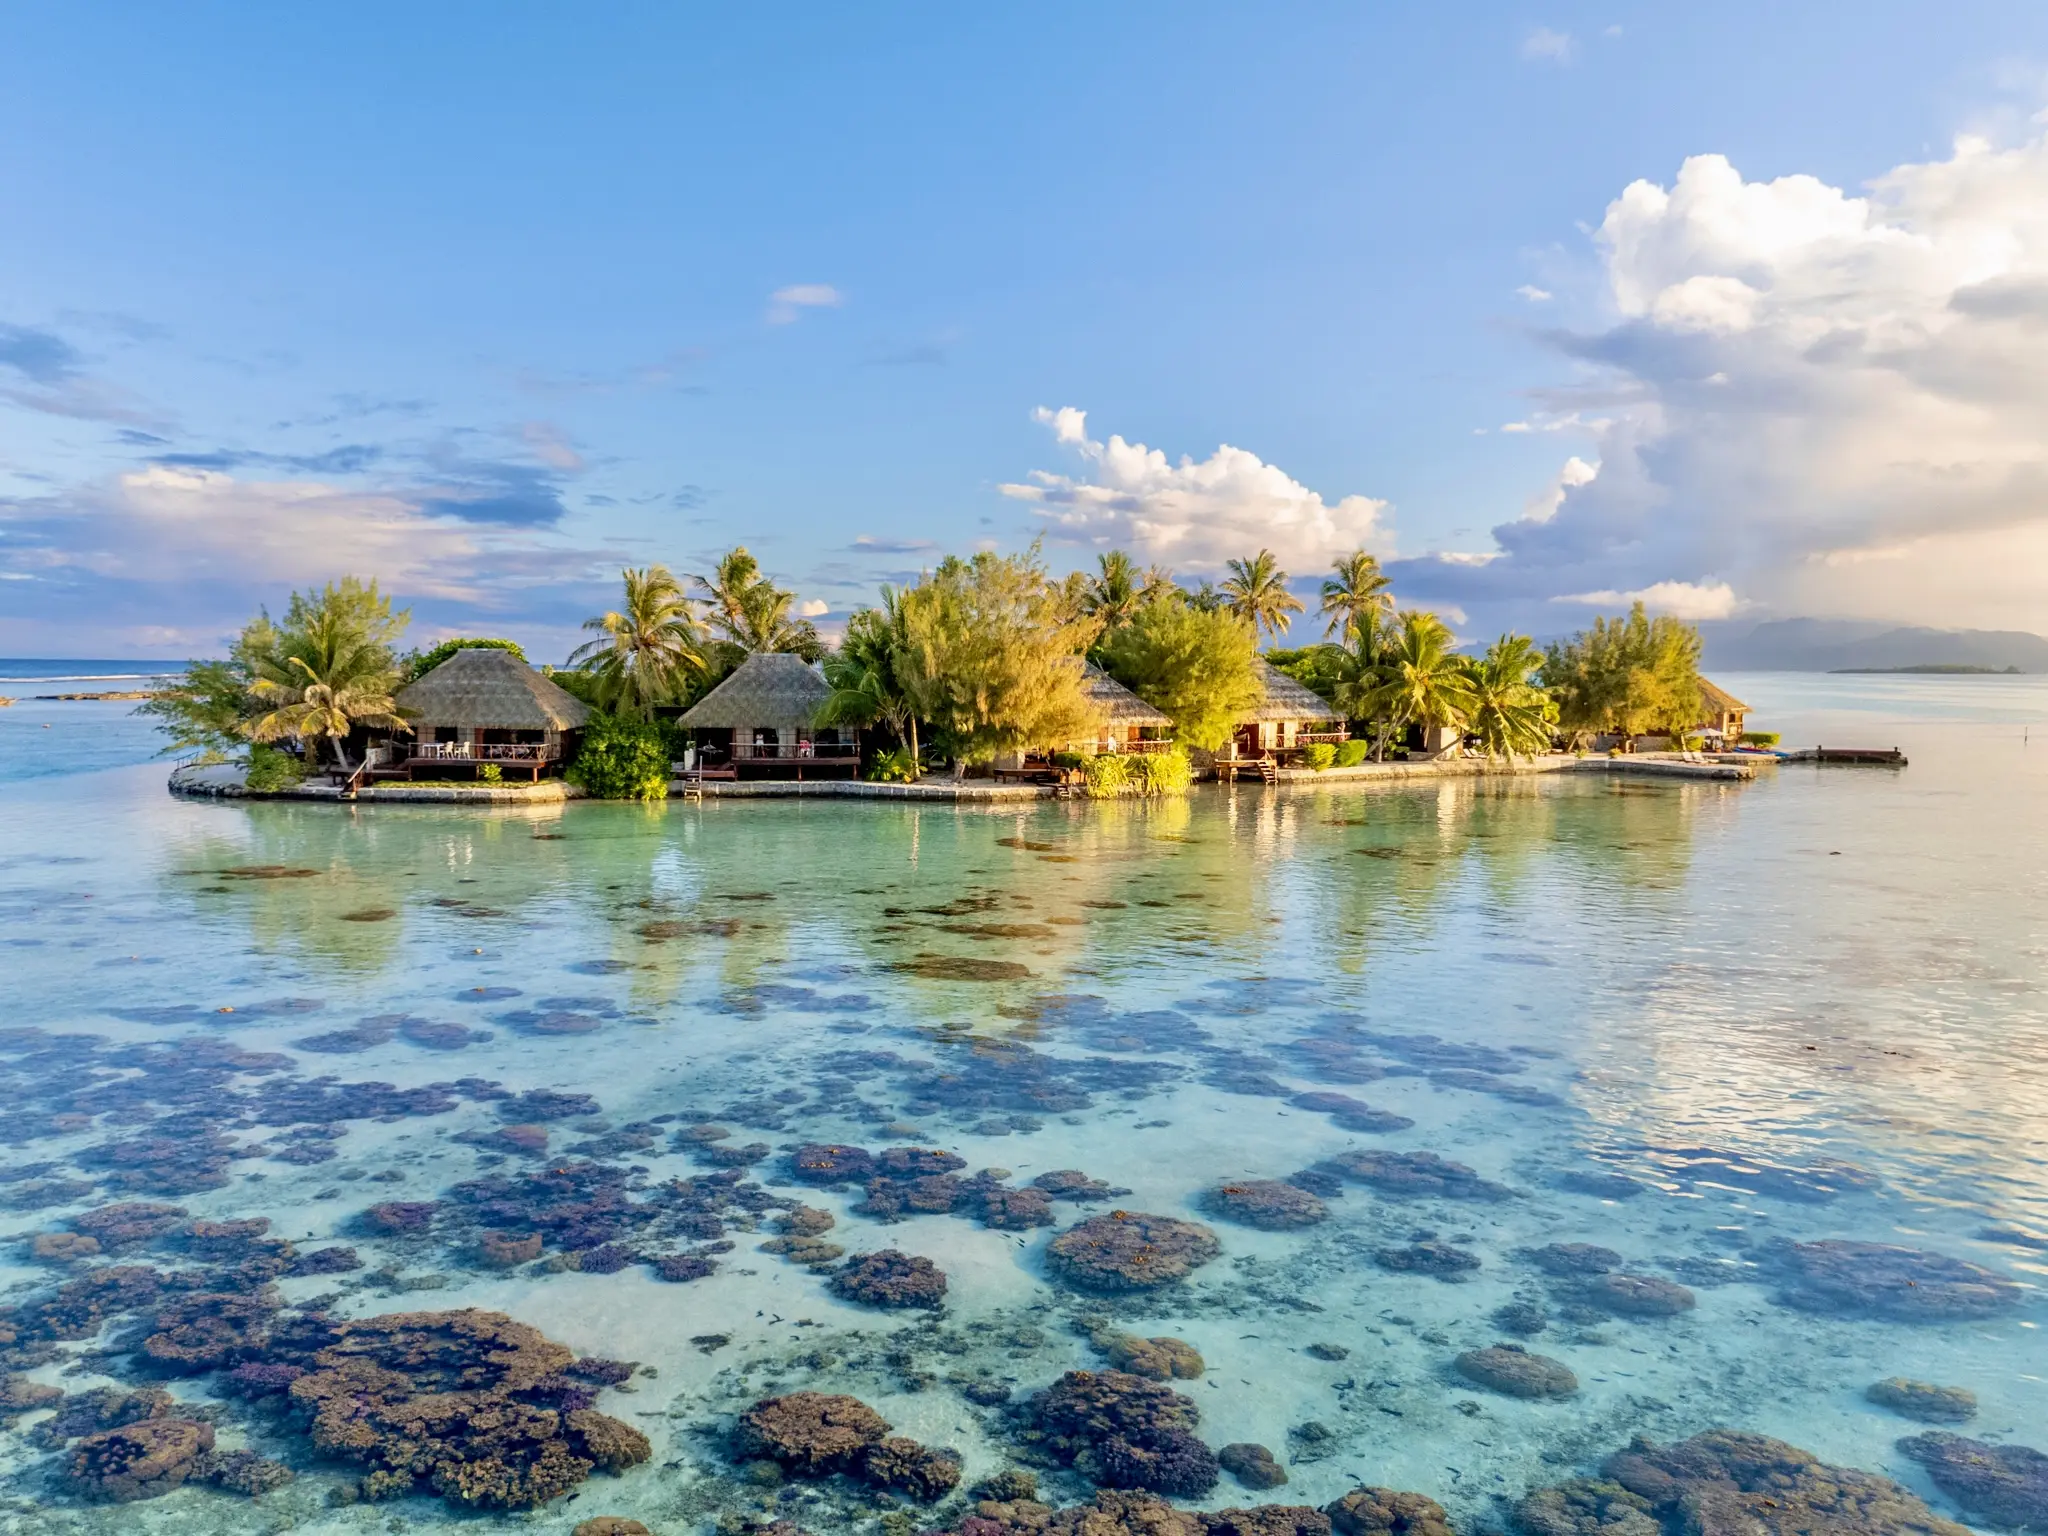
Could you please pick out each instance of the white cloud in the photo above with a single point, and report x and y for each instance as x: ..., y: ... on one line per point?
x: 813, y: 607
x: 1534, y: 294
x: 1542, y: 507
x: 1549, y: 46
x: 786, y: 304
x: 1680, y: 599
x: 1193, y: 515
x: 1801, y: 381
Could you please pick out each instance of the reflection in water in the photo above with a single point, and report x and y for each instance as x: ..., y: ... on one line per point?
x: 1608, y: 1071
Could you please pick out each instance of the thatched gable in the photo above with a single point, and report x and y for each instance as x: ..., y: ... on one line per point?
x: 769, y: 690
x: 1715, y: 701
x: 490, y: 690
x: 1287, y: 699
x: 1117, y: 704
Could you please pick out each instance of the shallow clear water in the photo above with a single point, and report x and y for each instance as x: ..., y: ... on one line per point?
x: 1806, y: 1008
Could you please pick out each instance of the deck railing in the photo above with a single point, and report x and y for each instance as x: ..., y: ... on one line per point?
x: 483, y: 752
x: 795, y: 752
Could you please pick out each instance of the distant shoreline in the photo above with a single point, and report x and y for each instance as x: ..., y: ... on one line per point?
x: 1929, y: 669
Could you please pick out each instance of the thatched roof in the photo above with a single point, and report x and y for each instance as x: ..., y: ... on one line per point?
x: 770, y: 690
x: 1117, y: 704
x: 1719, y: 701
x: 1288, y: 700
x: 492, y: 689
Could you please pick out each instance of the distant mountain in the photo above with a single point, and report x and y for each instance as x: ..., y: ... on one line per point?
x: 1835, y: 645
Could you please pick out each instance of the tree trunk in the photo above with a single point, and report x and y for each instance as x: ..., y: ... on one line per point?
x: 915, y: 771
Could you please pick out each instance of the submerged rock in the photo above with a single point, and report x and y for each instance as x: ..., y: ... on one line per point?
x: 137, y: 1461
x: 1639, y: 1295
x: 917, y: 1471
x: 1370, y: 1511
x: 1728, y: 1481
x: 2003, y: 1485
x: 1854, y: 1279
x: 1923, y: 1400
x: 1524, y: 1319
x: 1130, y: 1251
x: 1252, y: 1465
x: 1267, y: 1204
x: 1512, y: 1371
x: 891, y: 1278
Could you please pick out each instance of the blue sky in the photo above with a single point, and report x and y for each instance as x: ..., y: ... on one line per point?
x: 483, y: 299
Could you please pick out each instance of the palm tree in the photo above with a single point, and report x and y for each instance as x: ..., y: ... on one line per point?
x: 1356, y: 600
x: 750, y: 613
x: 330, y: 669
x: 1419, y: 680
x: 867, y: 688
x: 1508, y: 713
x: 1256, y: 591
x: 645, y: 650
x: 1119, y: 589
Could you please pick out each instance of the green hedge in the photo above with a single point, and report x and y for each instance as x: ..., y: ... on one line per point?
x: 1351, y: 753
x: 623, y: 759
x: 271, y: 770
x: 1319, y: 755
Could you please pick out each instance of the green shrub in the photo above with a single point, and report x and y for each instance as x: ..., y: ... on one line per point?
x: 622, y: 759
x: 1069, y: 760
x: 1319, y: 755
x: 1351, y: 753
x: 418, y: 664
x: 272, y: 769
x: 1165, y: 773
x: 1109, y: 775
x: 490, y: 773
x: 895, y: 766
x: 1761, y: 738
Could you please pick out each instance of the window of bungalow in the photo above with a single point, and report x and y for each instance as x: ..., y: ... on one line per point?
x: 447, y: 733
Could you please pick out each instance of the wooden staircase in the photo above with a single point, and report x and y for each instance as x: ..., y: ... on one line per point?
x: 1269, y: 771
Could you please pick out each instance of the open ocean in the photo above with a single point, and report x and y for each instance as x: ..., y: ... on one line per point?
x: 558, y: 1062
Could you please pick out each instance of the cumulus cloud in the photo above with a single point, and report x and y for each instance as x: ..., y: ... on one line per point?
x: 1826, y: 401
x: 813, y: 608
x: 1534, y: 294
x: 1542, y: 507
x: 787, y: 304
x: 1193, y: 515
x: 1680, y: 599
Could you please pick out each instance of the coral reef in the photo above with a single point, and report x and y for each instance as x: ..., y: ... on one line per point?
x: 1512, y: 1371
x: 1416, y: 1174
x: 891, y: 1278
x: 1159, y: 1359
x: 2005, y: 1485
x: 1266, y: 1203
x: 1923, y: 1400
x: 1727, y: 1481
x: 917, y: 1471
x: 446, y: 1400
x: 1130, y: 1251
x: 1428, y: 1257
x: 1574, y: 1259
x: 1371, y: 1511
x: 1123, y: 1431
x: 1639, y: 1295
x: 137, y: 1461
x: 1252, y: 1465
x: 1856, y: 1279
x: 812, y: 1434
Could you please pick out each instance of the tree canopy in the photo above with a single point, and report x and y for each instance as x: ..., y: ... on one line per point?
x: 1626, y: 676
x: 987, y: 655
x: 747, y: 612
x: 1256, y: 590
x: 647, y: 650
x: 1507, y: 714
x: 867, y: 677
x: 1198, y: 665
x: 417, y: 664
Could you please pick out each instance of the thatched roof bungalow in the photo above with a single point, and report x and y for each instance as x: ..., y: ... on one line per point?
x: 1286, y: 716
x: 485, y: 706
x: 1123, y: 720
x: 1721, y: 711
x: 761, y: 716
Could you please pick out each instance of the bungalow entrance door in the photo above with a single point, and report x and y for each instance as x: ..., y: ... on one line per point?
x: 1247, y: 743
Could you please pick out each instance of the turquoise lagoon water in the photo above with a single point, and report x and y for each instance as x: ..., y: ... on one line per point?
x: 1693, y: 1024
